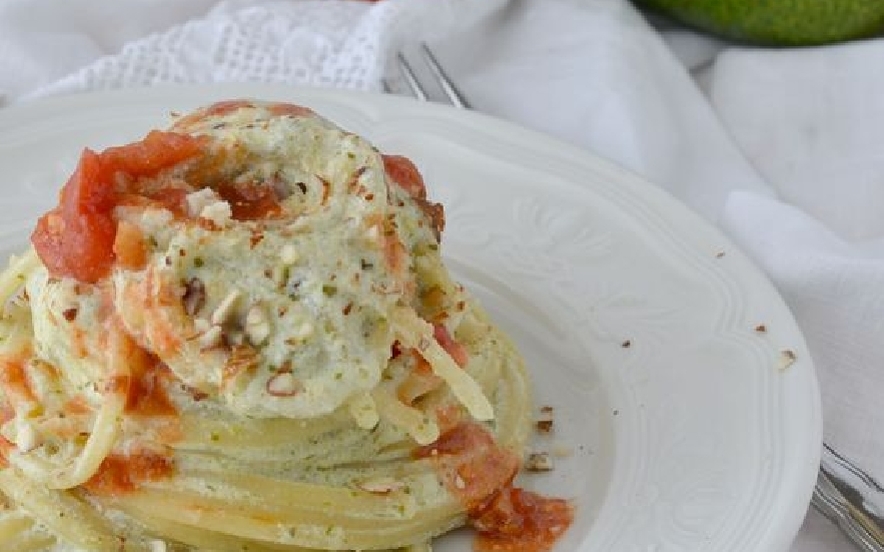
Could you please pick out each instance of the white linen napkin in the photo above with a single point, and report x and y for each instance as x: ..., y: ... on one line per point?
x: 324, y: 43
x: 816, y: 139
x: 778, y: 147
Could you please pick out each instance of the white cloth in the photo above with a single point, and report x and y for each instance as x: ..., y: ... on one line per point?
x: 777, y: 146
x: 78, y: 46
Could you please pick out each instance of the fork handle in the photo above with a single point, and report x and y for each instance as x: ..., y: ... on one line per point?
x: 852, y: 499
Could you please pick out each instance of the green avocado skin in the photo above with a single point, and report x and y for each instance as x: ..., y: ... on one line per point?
x: 778, y: 22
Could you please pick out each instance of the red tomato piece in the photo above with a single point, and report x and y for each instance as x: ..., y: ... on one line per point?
x: 157, y: 151
x: 76, y: 238
x: 405, y: 175
x: 250, y: 201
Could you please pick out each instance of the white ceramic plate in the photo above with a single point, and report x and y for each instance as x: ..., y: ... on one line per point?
x: 687, y: 430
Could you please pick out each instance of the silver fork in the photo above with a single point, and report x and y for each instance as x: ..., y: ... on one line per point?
x: 852, y: 499
x: 420, y: 91
x: 844, y: 493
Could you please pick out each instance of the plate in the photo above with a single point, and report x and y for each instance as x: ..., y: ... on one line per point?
x: 687, y: 412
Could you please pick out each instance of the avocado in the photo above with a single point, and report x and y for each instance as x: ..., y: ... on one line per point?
x: 778, y: 22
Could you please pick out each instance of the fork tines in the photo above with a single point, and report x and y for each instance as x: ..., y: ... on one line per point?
x: 450, y: 91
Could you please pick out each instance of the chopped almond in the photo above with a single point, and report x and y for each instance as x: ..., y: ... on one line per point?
x: 225, y: 309
x: 381, y: 485
x: 539, y: 462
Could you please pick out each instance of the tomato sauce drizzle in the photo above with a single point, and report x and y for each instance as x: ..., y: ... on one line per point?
x: 480, y: 474
x: 516, y: 520
x: 145, y: 390
x: 119, y: 474
x: 14, y: 381
x: 146, y: 395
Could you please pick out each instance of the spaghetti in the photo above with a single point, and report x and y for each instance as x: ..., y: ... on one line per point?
x: 239, y: 334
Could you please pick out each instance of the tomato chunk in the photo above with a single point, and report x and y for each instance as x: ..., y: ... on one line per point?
x: 405, y: 174
x: 76, y: 239
x: 157, y: 151
x: 250, y: 201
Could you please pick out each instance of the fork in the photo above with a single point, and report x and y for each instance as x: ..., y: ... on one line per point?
x: 451, y: 93
x: 844, y: 493
x: 852, y: 499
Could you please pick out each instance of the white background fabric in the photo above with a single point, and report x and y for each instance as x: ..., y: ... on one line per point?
x: 778, y: 147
